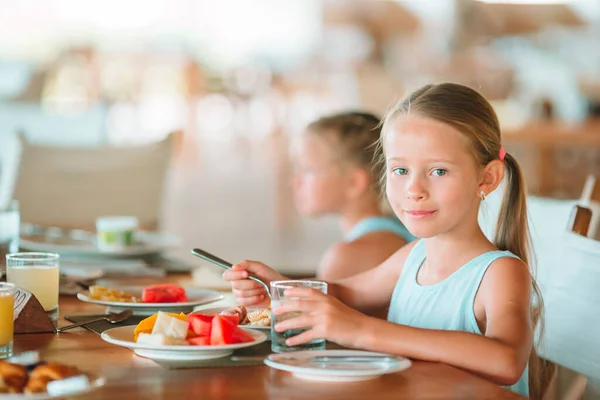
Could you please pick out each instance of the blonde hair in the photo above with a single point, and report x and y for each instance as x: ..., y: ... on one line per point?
x: 356, y: 135
x: 470, y: 113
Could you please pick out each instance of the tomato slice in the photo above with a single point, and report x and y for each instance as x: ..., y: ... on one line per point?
x: 165, y: 293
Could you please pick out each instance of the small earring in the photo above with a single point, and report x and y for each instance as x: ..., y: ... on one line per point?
x: 482, y: 195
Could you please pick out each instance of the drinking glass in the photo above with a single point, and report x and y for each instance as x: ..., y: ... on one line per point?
x: 7, y: 301
x: 277, y: 297
x: 38, y: 273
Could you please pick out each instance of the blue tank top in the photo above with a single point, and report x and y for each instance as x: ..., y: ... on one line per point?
x: 379, y: 224
x: 447, y: 305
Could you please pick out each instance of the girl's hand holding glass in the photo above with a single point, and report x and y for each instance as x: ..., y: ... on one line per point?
x: 324, y: 316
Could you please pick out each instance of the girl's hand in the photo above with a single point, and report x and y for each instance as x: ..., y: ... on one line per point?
x: 247, y: 292
x: 324, y: 316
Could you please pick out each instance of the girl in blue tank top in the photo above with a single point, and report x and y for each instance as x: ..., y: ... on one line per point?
x: 336, y: 173
x: 454, y: 296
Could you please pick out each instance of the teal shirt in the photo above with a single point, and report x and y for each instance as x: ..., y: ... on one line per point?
x: 379, y: 224
x: 447, y: 305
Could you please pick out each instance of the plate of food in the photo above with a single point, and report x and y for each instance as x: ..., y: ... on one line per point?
x: 149, y: 299
x: 249, y: 317
x: 183, y: 341
x: 41, y: 380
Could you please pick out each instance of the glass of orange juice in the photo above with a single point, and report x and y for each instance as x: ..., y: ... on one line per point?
x: 38, y: 273
x: 7, y: 304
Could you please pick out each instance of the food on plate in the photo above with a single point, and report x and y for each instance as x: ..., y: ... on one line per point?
x: 42, y: 378
x: 195, y: 330
x: 105, y: 294
x: 163, y: 293
x: 147, y: 324
x: 260, y: 317
x: 13, y: 377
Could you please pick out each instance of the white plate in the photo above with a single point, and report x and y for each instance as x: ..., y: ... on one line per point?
x: 146, y: 243
x: 176, y: 356
x: 196, y: 297
x: 95, y: 383
x: 334, y: 372
x: 216, y: 310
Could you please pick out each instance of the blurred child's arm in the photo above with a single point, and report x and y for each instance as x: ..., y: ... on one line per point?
x: 501, y: 355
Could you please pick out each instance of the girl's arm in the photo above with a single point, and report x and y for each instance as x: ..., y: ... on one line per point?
x: 368, y: 291
x: 501, y: 355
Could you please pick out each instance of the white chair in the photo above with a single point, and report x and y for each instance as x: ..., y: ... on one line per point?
x: 572, y: 296
x: 568, y: 273
x: 70, y: 187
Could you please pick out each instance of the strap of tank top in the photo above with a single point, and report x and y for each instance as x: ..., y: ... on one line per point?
x: 413, y: 262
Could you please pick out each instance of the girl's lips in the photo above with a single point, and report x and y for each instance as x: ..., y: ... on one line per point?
x: 420, y: 214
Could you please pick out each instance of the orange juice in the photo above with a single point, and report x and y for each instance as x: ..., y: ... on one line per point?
x: 6, y: 317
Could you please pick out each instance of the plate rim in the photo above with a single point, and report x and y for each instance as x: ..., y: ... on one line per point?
x: 149, y: 247
x: 85, y: 298
x: 404, y: 364
x: 260, y: 337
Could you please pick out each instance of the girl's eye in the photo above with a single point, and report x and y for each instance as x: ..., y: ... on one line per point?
x: 439, y: 172
x: 400, y: 171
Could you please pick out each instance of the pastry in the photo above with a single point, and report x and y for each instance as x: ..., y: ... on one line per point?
x: 12, y: 377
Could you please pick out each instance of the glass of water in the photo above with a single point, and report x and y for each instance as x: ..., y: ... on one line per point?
x: 277, y: 297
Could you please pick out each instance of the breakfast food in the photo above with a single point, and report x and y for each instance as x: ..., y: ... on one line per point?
x: 261, y: 317
x: 194, y: 329
x: 105, y: 294
x: 15, y: 378
x: 166, y: 293
x: 163, y: 293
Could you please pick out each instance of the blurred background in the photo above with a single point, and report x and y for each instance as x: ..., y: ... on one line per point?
x: 225, y: 86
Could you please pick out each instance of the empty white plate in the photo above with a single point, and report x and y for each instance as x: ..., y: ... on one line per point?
x: 302, y: 365
x: 196, y: 297
x: 176, y: 356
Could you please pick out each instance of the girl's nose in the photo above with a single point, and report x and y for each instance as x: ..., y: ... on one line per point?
x: 416, y: 189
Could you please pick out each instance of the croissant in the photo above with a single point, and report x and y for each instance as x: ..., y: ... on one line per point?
x: 12, y: 377
x: 37, y: 385
x: 53, y: 371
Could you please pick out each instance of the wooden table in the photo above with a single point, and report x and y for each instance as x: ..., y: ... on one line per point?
x: 132, y: 377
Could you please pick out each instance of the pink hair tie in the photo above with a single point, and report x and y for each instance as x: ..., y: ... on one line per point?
x: 502, y: 153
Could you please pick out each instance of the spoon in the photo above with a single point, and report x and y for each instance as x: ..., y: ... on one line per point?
x: 227, y: 265
x: 112, y: 318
